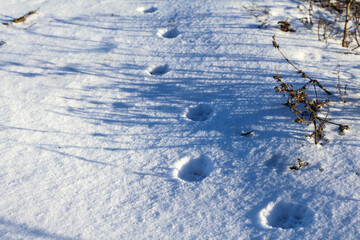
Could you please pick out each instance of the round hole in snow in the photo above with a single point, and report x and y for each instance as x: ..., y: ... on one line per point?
x: 119, y: 105
x: 201, y: 112
x: 159, y: 70
x: 193, y: 169
x: 168, y: 33
x: 147, y: 10
x: 285, y: 215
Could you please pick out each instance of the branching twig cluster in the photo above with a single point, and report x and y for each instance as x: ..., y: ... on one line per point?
x: 326, y: 30
x: 305, y: 107
x: 345, y: 24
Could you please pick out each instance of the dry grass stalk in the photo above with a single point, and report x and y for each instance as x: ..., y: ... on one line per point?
x: 21, y: 19
x: 305, y: 108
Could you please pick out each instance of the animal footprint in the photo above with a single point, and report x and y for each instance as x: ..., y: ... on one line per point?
x: 193, y: 169
x: 159, y: 70
x: 201, y: 112
x: 120, y: 105
x: 147, y: 10
x: 285, y: 215
x: 168, y: 33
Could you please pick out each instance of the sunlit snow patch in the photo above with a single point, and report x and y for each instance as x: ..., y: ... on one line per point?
x: 285, y: 215
x: 308, y: 55
x: 147, y: 10
x: 200, y: 112
x: 168, y: 33
x: 193, y: 169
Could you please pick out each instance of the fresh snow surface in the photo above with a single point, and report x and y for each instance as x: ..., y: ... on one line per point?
x: 123, y: 119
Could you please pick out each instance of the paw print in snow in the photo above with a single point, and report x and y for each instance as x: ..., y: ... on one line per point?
x: 201, y: 112
x: 285, y: 215
x: 168, y: 33
x: 193, y: 169
x: 159, y: 70
x: 147, y: 10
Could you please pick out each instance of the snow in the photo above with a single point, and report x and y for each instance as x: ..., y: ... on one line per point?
x: 124, y: 120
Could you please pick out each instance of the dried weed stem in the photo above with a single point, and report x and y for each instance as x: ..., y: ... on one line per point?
x: 305, y: 108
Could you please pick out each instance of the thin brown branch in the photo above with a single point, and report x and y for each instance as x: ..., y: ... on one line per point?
x: 303, y: 74
x: 22, y: 18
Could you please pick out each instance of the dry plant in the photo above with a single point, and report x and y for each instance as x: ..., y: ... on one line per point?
x: 307, y: 20
x: 302, y: 105
x: 300, y: 165
x: 21, y: 19
x: 325, y: 30
x: 346, y: 21
x: 285, y: 26
x: 334, y: 6
x: 260, y: 14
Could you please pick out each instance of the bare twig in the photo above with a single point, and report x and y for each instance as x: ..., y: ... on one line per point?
x: 303, y: 74
x: 247, y: 133
x: 21, y: 19
x: 322, y: 22
x: 346, y: 53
